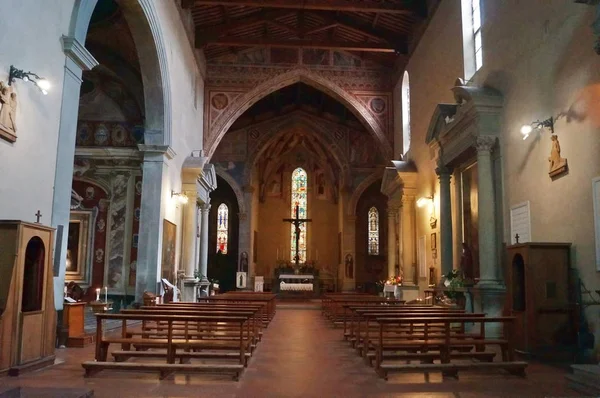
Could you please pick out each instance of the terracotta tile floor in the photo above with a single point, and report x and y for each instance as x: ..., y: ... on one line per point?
x: 300, y: 356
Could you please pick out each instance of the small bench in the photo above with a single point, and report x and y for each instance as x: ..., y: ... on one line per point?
x: 164, y: 369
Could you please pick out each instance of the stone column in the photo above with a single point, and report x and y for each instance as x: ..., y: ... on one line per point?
x: 488, y: 258
x: 203, y: 260
x: 392, y: 214
x: 446, y: 245
x: 245, y: 243
x: 154, y: 170
x: 188, y: 254
x: 408, y: 217
x: 77, y: 60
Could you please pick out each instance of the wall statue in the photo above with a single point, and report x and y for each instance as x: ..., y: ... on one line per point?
x: 349, y: 266
x: 558, y: 165
x: 8, y: 112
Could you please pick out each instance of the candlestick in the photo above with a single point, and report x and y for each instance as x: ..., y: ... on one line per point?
x: 105, y: 294
x: 98, y: 294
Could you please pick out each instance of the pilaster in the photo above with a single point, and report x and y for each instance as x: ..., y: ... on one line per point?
x: 445, y: 174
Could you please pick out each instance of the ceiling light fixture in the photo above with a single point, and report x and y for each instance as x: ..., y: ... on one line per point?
x: 181, y: 197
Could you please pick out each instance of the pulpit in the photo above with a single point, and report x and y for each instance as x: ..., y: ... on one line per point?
x: 27, y: 313
x: 537, y: 282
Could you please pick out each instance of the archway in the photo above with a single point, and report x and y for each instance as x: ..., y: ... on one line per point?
x: 244, y: 102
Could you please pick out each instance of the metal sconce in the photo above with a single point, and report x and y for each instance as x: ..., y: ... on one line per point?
x: 527, y: 129
x: 42, y: 84
x: 181, y: 197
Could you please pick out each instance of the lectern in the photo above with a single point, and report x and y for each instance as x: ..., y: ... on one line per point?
x: 27, y: 313
x: 537, y: 282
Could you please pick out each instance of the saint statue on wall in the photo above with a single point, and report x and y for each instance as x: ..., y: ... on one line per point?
x: 558, y: 165
x: 8, y: 112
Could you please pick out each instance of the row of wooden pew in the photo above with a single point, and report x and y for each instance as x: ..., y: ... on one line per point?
x: 392, y: 336
x: 217, y: 335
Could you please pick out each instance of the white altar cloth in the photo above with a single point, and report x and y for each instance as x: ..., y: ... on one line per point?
x: 294, y: 276
x: 296, y: 287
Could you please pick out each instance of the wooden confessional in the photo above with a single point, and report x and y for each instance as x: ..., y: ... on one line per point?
x: 27, y: 313
x: 537, y: 282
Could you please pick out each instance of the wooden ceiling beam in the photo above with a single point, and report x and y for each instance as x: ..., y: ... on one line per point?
x: 322, y: 5
x: 320, y: 28
x: 211, y: 33
x: 320, y: 44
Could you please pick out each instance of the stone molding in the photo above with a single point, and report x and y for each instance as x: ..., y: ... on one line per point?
x: 77, y: 52
x: 239, y: 191
x: 157, y: 150
x: 377, y: 174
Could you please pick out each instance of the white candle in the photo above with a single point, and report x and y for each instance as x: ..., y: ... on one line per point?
x: 105, y: 294
x: 98, y: 294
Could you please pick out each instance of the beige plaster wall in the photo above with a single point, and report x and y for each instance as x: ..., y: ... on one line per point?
x: 540, y: 56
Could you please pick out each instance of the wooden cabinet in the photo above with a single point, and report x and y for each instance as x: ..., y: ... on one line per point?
x: 537, y: 282
x: 74, y: 318
x: 27, y: 313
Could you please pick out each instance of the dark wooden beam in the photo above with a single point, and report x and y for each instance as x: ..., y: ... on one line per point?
x: 368, y: 30
x: 211, y: 33
x: 326, y: 45
x: 323, y: 5
x: 283, y: 26
x: 320, y: 28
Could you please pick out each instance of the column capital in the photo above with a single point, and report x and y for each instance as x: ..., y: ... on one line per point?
x: 485, y: 143
x: 204, y: 206
x: 444, y: 171
x: 243, y: 216
x: 407, y: 200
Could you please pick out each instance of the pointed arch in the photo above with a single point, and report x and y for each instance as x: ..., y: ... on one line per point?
x: 235, y: 186
x: 244, y: 102
x: 366, y: 183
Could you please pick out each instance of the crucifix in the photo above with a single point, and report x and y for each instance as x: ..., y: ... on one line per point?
x: 38, y: 215
x: 517, y: 238
x: 297, y: 222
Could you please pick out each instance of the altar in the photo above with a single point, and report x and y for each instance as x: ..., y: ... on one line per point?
x: 297, y: 283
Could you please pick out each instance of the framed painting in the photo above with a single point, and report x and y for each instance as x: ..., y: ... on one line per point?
x: 80, y: 239
x: 169, y: 242
x: 433, y: 241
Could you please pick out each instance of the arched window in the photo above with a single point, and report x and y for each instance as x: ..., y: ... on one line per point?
x: 373, y: 231
x: 222, y: 228
x: 299, y: 202
x: 405, y: 113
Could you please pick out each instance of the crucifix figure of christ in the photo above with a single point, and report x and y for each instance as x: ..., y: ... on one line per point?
x: 297, y: 222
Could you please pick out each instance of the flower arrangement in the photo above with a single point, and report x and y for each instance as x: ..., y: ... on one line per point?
x: 394, y: 280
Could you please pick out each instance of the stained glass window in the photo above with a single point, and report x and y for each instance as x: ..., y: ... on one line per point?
x: 222, y: 228
x: 373, y: 231
x: 299, y: 195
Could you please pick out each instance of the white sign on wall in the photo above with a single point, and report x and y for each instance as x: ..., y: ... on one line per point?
x: 520, y: 223
x: 596, y: 200
x: 240, y: 280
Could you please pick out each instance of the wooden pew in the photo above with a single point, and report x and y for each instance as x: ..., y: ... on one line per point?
x: 171, y: 344
x: 444, y: 345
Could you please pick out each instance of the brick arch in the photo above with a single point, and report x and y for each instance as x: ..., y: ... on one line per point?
x: 360, y: 189
x: 244, y: 102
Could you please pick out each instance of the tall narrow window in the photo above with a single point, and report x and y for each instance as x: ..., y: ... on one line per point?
x: 373, y: 231
x: 472, y: 40
x: 405, y: 113
x: 222, y: 228
x: 299, y: 204
x: 476, y: 18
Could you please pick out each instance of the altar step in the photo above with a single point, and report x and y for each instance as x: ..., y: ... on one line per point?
x: 585, y: 379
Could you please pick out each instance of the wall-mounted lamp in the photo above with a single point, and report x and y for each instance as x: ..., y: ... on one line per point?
x: 527, y: 129
x: 425, y: 201
x: 41, y: 83
x: 181, y: 197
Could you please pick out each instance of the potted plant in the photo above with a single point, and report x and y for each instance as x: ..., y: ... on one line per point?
x: 455, y: 280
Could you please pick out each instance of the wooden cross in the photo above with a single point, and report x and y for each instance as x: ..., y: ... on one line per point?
x: 517, y: 238
x: 38, y: 215
x: 297, y: 222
